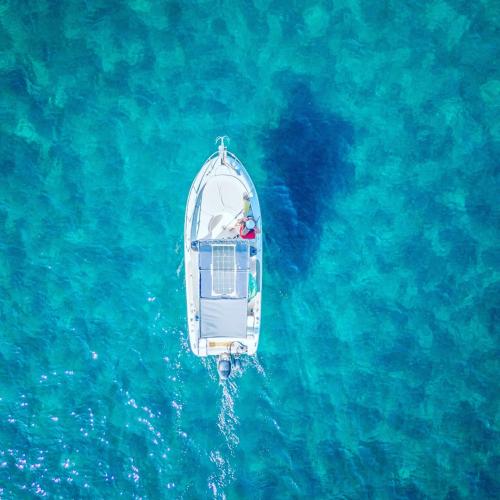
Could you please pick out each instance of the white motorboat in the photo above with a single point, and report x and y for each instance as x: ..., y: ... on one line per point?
x: 223, y: 261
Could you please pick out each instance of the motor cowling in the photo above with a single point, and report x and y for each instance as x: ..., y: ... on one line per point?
x: 237, y: 366
x: 224, y: 366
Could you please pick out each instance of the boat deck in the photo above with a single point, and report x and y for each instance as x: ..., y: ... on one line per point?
x: 223, y: 288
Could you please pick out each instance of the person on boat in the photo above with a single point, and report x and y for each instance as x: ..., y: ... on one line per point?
x: 247, y: 206
x: 248, y: 228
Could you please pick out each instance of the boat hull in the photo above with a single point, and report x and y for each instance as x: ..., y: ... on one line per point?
x: 222, y: 195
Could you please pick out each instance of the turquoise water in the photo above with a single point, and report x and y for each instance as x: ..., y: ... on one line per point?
x: 371, y: 131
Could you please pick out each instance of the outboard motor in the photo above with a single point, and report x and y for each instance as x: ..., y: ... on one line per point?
x: 224, y: 366
x: 237, y: 367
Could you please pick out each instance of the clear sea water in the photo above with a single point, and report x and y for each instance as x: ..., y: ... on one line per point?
x: 371, y: 131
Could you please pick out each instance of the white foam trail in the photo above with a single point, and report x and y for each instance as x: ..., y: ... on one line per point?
x: 228, y: 424
x: 223, y: 477
x: 179, y: 267
x: 228, y: 421
x: 210, y: 364
x: 254, y: 361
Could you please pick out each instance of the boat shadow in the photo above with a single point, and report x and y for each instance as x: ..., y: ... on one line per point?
x: 308, y: 169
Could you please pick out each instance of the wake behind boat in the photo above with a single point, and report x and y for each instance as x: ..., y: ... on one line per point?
x: 223, y: 261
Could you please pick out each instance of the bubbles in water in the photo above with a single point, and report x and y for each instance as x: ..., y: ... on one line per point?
x: 228, y: 421
x: 224, y: 476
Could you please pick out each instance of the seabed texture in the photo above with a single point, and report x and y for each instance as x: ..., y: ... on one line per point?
x: 371, y: 132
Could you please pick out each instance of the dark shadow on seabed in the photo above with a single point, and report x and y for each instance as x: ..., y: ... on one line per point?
x: 307, y: 167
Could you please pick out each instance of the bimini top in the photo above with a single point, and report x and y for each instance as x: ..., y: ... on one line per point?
x: 224, y: 267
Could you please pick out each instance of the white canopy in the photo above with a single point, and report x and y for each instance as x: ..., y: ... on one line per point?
x: 223, y: 318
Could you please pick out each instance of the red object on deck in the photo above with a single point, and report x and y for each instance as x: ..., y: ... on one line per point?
x: 249, y: 236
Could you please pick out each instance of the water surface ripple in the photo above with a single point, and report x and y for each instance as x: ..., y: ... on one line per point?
x: 371, y: 132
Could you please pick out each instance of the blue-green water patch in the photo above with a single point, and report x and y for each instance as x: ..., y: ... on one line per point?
x: 371, y: 133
